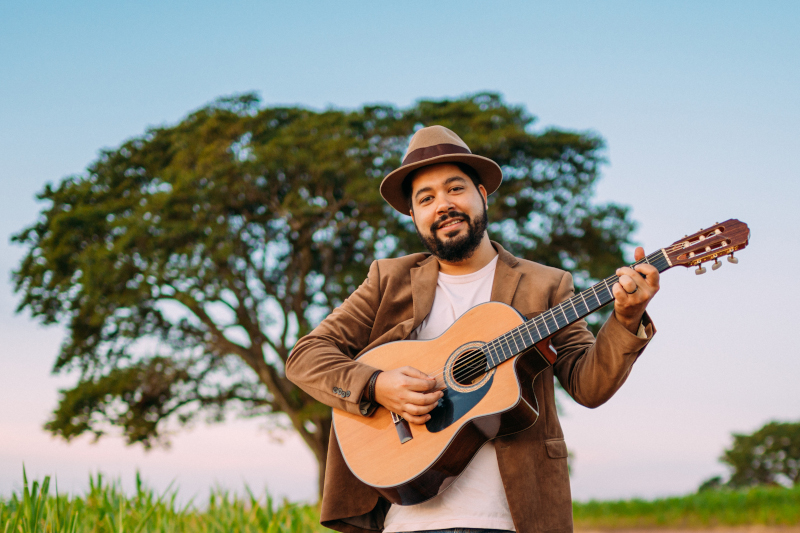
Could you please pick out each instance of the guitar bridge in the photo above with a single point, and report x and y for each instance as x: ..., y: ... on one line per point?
x: 402, y: 427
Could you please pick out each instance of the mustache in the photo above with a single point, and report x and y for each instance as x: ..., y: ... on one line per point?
x: 447, y: 216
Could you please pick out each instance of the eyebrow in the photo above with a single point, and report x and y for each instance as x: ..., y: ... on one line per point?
x: 446, y: 182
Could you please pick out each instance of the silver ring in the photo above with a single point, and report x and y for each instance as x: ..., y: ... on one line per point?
x: 634, y: 290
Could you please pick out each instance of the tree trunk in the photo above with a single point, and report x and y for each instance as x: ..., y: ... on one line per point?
x: 317, y: 440
x: 322, y: 458
x: 318, y: 443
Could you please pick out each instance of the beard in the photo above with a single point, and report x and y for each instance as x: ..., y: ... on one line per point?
x: 456, y: 249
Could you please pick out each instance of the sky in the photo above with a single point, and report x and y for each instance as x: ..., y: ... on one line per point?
x: 698, y: 104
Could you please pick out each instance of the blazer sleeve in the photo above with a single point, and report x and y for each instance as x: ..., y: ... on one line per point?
x: 592, y: 370
x: 322, y: 364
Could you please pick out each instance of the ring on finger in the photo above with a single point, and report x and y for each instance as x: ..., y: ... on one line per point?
x: 634, y: 290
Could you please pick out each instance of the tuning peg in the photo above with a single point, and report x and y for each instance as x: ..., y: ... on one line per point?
x: 700, y: 270
x: 716, y: 265
x: 732, y: 259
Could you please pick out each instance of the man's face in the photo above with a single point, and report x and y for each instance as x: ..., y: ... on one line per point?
x: 448, y: 211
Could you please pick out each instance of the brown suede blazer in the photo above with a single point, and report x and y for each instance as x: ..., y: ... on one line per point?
x: 394, y: 299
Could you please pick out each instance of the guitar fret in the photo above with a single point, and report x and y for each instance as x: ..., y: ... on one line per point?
x: 527, y: 331
x: 501, y: 353
x: 518, y: 336
x: 660, y: 260
x: 504, y: 339
x: 535, y: 335
x: 492, y: 348
x: 544, y: 321
x: 489, y: 356
x: 595, y: 296
x: 555, y: 318
x: 573, y: 308
x: 610, y: 294
x: 511, y: 343
x: 588, y: 310
x: 537, y: 327
x: 555, y: 323
x: 513, y: 338
x: 563, y: 312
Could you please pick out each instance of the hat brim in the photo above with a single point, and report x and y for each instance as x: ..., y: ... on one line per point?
x: 392, y: 185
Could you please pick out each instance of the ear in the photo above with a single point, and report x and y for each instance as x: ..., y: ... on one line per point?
x: 411, y: 212
x: 482, y: 190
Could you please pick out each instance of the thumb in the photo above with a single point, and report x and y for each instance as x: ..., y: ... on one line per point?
x: 638, y: 254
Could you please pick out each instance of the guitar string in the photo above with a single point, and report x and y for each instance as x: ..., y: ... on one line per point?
x: 540, y: 320
x: 469, y: 366
x: 466, y: 366
x: 474, y: 365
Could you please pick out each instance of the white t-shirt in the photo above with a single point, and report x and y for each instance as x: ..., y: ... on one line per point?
x: 477, y: 498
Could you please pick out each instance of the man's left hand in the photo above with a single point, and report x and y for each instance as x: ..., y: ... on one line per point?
x: 634, y: 290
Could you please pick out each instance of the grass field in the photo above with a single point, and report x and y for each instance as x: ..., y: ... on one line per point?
x: 106, y: 509
x: 765, y: 506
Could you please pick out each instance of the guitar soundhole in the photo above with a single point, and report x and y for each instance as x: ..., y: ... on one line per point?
x: 469, y: 367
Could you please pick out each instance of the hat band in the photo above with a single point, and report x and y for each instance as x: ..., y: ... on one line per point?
x: 429, y: 152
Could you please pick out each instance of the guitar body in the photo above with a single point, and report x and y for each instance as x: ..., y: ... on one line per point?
x: 498, y: 402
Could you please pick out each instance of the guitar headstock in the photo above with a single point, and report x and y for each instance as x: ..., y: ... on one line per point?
x: 709, y: 244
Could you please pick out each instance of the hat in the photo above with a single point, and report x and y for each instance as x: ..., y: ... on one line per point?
x: 432, y: 145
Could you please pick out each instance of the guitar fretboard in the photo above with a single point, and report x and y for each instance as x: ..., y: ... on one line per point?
x: 540, y: 327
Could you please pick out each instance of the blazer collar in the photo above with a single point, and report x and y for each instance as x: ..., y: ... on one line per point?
x: 425, y: 275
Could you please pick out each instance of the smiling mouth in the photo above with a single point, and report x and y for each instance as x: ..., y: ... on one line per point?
x: 450, y: 223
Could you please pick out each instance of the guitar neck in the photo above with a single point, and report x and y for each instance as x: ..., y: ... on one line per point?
x: 524, y: 337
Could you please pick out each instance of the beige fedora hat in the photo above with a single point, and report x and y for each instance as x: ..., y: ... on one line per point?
x: 431, y: 145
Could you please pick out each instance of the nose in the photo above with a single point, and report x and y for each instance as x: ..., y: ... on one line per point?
x: 444, y: 206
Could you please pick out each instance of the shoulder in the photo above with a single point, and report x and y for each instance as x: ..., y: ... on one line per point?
x: 398, y: 265
x: 539, y: 286
x: 539, y: 271
x: 394, y: 271
x: 532, y: 270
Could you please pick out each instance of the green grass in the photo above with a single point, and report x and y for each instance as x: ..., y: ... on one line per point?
x: 106, y: 509
x: 769, y: 506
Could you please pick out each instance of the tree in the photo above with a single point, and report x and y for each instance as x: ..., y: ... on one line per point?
x: 186, y: 262
x: 770, y: 456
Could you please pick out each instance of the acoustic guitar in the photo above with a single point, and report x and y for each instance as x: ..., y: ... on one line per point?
x: 486, y: 361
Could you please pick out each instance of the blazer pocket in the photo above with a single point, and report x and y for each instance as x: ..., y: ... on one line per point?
x: 556, y: 448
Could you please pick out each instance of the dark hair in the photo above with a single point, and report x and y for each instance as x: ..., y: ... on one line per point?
x: 463, y: 167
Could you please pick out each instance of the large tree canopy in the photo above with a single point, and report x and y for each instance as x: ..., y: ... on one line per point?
x: 186, y: 262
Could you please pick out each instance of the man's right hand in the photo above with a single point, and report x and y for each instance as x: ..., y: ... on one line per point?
x: 407, y: 392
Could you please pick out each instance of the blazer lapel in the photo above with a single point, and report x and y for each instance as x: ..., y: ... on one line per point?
x: 506, y: 278
x: 423, y: 289
x: 425, y: 276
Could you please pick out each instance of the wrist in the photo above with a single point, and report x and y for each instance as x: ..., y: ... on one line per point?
x: 630, y: 323
x: 370, y: 389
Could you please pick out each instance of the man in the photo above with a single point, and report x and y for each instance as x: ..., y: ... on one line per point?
x: 514, y: 483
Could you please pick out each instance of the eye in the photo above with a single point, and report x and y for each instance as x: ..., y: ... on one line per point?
x: 425, y: 199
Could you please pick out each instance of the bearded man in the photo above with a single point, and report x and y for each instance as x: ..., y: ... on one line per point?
x: 517, y: 482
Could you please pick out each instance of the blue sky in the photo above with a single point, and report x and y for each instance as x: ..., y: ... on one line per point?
x: 698, y: 103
